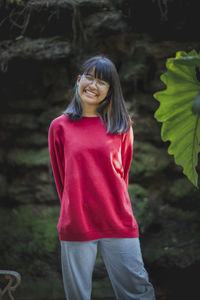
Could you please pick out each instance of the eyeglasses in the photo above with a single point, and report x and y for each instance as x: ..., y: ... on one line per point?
x: 100, y: 83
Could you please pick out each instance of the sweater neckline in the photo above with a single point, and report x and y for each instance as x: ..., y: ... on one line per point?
x: 92, y: 117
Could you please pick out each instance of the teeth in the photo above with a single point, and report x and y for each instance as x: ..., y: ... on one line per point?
x: 91, y: 93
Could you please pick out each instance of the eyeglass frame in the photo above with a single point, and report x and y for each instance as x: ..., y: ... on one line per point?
x: 92, y: 79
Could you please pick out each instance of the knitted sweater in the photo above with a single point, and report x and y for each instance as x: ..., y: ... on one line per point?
x: 90, y: 169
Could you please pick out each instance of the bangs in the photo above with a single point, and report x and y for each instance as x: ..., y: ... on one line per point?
x: 102, y: 69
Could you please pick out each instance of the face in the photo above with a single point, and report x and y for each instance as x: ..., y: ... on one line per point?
x: 91, y: 90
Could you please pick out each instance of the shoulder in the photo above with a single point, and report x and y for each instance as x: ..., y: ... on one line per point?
x: 59, y: 123
x: 58, y: 126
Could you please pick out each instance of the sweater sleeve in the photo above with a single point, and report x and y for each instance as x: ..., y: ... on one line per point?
x: 56, y: 157
x: 127, y: 152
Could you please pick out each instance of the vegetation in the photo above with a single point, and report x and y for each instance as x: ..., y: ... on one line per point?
x: 179, y: 110
x: 33, y: 236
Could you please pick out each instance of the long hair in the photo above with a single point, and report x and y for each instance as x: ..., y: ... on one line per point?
x: 112, y: 109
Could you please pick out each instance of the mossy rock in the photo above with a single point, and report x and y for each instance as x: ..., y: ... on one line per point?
x: 27, y: 194
x: 37, y: 186
x: 147, y: 160
x: 143, y: 103
x: 50, y: 288
x: 95, y: 24
x: 3, y: 186
x: 29, y: 240
x: 29, y: 244
x: 32, y: 139
x: 24, y: 105
x: 142, y: 205
x: 102, y: 289
x: 173, y: 241
x: 46, y: 117
x: 61, y: 96
x: 28, y: 158
x: 181, y: 189
x: 19, y: 121
x: 136, y: 191
x: 2, y: 156
x: 133, y: 68
x: 146, y: 129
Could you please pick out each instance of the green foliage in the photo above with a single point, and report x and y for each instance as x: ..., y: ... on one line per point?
x: 29, y: 158
x: 142, y: 205
x: 29, y: 239
x: 176, y: 241
x: 179, y: 111
x: 147, y: 160
x: 41, y: 227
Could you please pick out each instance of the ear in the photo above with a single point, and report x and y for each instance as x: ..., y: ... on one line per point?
x: 78, y: 79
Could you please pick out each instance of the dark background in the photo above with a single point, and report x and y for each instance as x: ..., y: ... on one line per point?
x: 42, y: 44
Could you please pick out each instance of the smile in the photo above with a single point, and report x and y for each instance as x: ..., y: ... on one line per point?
x: 90, y: 93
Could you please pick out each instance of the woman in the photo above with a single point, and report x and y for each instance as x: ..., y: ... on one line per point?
x: 91, y: 147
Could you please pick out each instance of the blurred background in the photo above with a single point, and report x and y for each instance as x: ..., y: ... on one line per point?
x: 42, y: 44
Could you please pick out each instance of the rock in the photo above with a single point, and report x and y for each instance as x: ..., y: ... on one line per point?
x: 48, y: 40
x: 142, y: 205
x: 35, y: 139
x: 28, y: 158
x: 34, y: 186
x: 174, y: 239
x: 38, y: 49
x: 147, y: 160
x: 182, y: 194
x: 2, y: 156
x: 27, y: 194
x: 102, y: 289
x: 3, y: 186
x: 47, y: 4
x: 182, y: 188
x: 47, y: 116
x: 125, y: 44
x: 63, y: 96
x: 14, y: 121
x: 96, y: 24
x: 32, y: 229
x: 144, y: 103
x: 21, y: 105
x: 146, y: 129
x: 137, y: 192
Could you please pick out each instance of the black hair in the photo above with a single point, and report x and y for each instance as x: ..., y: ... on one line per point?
x: 112, y: 109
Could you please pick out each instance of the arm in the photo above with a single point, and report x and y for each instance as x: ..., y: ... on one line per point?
x: 127, y: 152
x: 56, y: 157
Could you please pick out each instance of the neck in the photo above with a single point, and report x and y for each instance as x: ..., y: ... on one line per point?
x: 90, y: 115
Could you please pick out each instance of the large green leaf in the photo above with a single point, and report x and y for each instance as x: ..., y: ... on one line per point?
x: 181, y: 123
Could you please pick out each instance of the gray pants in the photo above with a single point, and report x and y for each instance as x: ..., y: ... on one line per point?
x: 123, y: 261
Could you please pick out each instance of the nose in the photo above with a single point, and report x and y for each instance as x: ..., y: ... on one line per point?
x: 93, y: 83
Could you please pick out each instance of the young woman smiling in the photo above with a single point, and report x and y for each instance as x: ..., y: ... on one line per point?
x: 91, y: 147
x: 91, y: 91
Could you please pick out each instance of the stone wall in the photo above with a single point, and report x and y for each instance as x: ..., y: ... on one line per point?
x: 41, y: 46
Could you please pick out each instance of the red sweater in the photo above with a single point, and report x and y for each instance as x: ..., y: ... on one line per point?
x: 90, y: 169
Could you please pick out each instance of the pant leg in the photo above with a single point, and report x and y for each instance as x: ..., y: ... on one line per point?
x: 77, y: 260
x: 124, y: 263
